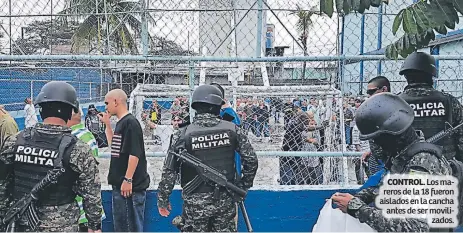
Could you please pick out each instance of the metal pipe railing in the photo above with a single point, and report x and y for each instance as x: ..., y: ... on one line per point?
x: 209, y: 59
x: 240, y: 88
x: 268, y: 154
x: 176, y: 93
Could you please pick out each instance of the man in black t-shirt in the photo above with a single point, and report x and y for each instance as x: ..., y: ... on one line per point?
x: 128, y: 171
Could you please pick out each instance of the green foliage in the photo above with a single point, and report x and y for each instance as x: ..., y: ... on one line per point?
x: 122, y: 17
x: 419, y: 21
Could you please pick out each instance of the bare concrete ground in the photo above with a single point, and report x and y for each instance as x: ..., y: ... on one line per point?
x: 267, y: 173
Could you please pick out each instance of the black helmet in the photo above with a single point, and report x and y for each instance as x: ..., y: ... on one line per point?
x: 221, y: 90
x: 383, y: 113
x: 207, y: 94
x: 58, y: 91
x: 419, y: 61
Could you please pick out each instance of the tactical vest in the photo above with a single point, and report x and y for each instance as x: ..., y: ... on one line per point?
x: 431, y: 114
x: 400, y: 162
x: 95, y: 125
x: 214, y: 146
x: 35, y: 154
x: 456, y: 169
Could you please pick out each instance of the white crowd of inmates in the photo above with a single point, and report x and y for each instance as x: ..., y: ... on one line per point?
x: 311, y: 126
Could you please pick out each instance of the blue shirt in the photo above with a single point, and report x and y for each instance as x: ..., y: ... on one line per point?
x: 374, y: 179
x: 235, y: 121
x: 231, y: 112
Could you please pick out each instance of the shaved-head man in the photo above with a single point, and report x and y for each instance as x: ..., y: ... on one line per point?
x: 119, y: 97
x: 127, y: 172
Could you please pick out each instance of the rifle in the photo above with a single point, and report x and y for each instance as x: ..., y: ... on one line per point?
x: 243, y: 209
x: 207, y: 173
x: 444, y: 133
x: 26, y: 205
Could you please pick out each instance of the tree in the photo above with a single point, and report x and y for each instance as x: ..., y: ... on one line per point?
x: 419, y: 21
x: 118, y: 18
x: 37, y: 37
x: 304, y: 23
x: 164, y: 47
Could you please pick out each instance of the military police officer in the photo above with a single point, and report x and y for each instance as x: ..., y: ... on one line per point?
x: 28, y: 156
x: 214, y: 142
x: 432, y: 108
x: 387, y: 119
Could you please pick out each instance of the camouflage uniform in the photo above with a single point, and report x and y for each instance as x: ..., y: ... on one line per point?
x: 451, y: 149
x: 376, y: 154
x: 387, y: 119
x: 63, y: 217
x: 198, y: 208
x: 358, y: 206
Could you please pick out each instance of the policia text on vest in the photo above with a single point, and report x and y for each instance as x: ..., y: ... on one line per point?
x: 35, y: 156
x: 210, y: 141
x: 430, y: 109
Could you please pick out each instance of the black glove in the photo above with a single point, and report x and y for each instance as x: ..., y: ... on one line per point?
x: 228, y: 117
x: 181, y: 125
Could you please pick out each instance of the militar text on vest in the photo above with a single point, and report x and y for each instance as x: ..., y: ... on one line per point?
x: 32, y: 155
x: 428, y: 109
x: 210, y: 141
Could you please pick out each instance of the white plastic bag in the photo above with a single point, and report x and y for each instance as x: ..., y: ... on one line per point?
x: 333, y: 220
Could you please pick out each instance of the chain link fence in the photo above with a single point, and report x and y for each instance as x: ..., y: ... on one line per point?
x: 293, y: 76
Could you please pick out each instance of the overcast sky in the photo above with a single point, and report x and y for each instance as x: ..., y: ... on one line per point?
x: 183, y: 27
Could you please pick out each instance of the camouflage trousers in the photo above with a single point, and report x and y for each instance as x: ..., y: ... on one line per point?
x: 68, y: 228
x: 203, y: 213
x: 64, y: 218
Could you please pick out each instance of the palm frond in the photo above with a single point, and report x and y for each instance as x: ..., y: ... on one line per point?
x: 87, y: 30
x: 128, y: 40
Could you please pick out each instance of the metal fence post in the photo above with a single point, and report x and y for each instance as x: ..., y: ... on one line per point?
x: 101, y: 79
x: 259, y: 35
x: 191, y: 83
x: 32, y: 90
x: 345, y: 169
x: 144, y: 29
